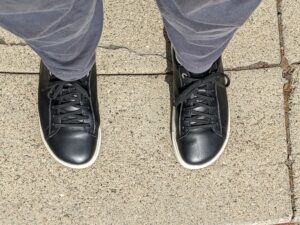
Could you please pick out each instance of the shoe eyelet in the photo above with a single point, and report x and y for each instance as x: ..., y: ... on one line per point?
x: 184, y: 75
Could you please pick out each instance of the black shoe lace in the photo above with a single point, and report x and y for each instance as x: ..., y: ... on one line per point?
x: 66, y: 96
x: 200, y: 93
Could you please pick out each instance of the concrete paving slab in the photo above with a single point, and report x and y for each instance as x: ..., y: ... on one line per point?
x: 257, y: 42
x: 291, y: 29
x: 137, y: 179
x: 120, y: 60
x: 295, y: 138
x: 18, y: 59
x: 136, y: 25
x: 252, y: 107
x: 133, y: 40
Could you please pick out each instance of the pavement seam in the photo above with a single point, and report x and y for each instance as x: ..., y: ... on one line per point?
x: 169, y: 73
x: 287, y: 74
x: 242, y: 68
x: 254, y: 66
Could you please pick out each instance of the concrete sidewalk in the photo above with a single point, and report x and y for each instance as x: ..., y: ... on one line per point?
x: 137, y: 179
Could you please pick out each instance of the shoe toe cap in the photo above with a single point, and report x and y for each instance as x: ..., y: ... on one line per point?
x: 200, y: 149
x: 74, y: 148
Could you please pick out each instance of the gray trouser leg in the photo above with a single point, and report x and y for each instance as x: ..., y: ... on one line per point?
x: 200, y: 30
x: 64, y: 33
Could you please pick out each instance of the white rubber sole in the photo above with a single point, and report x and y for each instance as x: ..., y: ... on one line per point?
x: 74, y: 166
x: 177, y: 153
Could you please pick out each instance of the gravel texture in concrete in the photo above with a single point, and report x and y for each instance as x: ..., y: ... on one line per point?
x: 291, y: 29
x: 257, y: 42
x: 7, y: 38
x: 18, y: 59
x: 295, y: 137
x: 137, y: 179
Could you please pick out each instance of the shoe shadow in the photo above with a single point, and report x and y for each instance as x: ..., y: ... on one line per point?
x: 168, y: 52
x: 169, y: 76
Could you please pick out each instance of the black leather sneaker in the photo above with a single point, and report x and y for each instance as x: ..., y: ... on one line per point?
x: 200, y: 115
x: 69, y: 118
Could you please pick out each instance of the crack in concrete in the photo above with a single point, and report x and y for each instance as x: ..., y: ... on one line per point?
x: 287, y: 92
x: 296, y: 63
x: 287, y: 74
x: 254, y: 66
x: 117, y: 47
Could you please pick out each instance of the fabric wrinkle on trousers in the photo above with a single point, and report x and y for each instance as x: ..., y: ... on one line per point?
x: 65, y: 34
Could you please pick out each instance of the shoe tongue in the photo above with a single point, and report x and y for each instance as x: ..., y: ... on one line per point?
x: 54, y: 78
x: 199, y: 75
x: 213, y: 68
x: 195, y: 76
x: 82, y: 81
